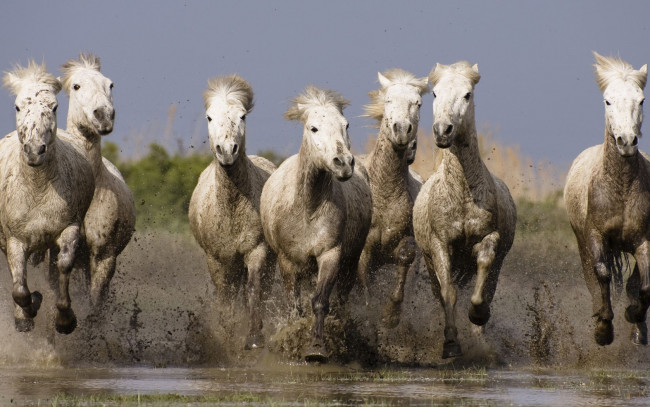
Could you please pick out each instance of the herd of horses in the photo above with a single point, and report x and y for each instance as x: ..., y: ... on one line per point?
x: 323, y: 212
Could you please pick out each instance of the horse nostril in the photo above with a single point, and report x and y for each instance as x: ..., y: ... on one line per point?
x: 25, y: 148
x: 97, y: 114
x: 219, y: 151
x: 337, y: 162
x: 619, y: 141
x: 352, y: 162
x: 635, y: 141
x: 41, y: 149
x: 234, y: 149
x: 449, y: 129
x: 113, y: 114
x: 410, y: 129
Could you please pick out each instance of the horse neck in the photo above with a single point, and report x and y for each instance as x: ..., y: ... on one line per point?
x: 464, y: 155
x: 91, y: 143
x: 386, y: 165
x: 234, y: 181
x: 40, y: 178
x: 618, y: 171
x: 314, y: 184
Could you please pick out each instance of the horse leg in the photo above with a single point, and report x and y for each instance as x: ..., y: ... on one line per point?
x: 328, y: 268
x: 485, y: 252
x: 102, y: 269
x: 639, y: 286
x: 26, y: 303
x: 441, y: 280
x: 290, y: 281
x: 362, y: 272
x: 405, y: 255
x: 52, y: 268
x: 65, y: 321
x: 226, y: 291
x: 256, y: 265
x: 604, y: 332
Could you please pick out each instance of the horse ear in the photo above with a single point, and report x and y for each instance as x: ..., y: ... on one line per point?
x: 12, y: 82
x: 384, y: 81
x: 475, y: 68
x: 644, y: 69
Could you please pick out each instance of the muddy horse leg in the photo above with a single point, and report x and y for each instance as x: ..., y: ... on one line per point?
x: 485, y: 252
x: 638, y: 289
x: 405, y: 256
x: 102, y: 269
x: 328, y: 269
x: 290, y: 273
x: 604, y: 332
x: 26, y: 303
x: 65, y: 321
x: 256, y: 265
x: 441, y: 280
x: 363, y: 270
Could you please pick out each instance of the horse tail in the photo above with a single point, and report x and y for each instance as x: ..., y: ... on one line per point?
x: 621, y: 262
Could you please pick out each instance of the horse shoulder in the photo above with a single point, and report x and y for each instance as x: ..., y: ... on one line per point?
x: 576, y: 189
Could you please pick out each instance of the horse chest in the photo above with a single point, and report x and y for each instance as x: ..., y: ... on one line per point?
x: 38, y: 221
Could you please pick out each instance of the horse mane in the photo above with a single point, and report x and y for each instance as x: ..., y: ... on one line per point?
x: 33, y: 72
x: 610, y: 68
x: 463, y: 68
x: 85, y: 61
x: 232, y: 88
x: 313, y: 96
x: 375, y: 109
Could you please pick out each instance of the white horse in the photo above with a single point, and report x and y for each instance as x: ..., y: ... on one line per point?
x: 225, y: 206
x: 46, y: 189
x: 396, y: 107
x: 464, y: 218
x: 607, y: 197
x: 110, y: 221
x: 316, y: 208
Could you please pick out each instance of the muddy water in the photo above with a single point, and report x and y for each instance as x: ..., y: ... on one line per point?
x: 302, y: 384
x: 163, y: 330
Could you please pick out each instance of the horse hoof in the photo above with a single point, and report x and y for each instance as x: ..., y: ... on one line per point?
x: 451, y: 350
x: 24, y: 324
x: 316, y: 354
x: 479, y: 314
x: 66, y: 322
x: 640, y: 334
x: 254, y: 342
x: 604, y: 333
x: 633, y: 316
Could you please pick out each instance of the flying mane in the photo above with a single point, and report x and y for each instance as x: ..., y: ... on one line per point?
x: 314, y: 96
x: 34, y: 72
x: 375, y: 109
x: 462, y: 68
x: 609, y: 69
x: 85, y: 61
x: 231, y: 87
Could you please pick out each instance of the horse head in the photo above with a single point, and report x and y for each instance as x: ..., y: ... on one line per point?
x: 36, y: 106
x: 91, y: 95
x: 453, y: 104
x: 227, y: 102
x: 325, y: 133
x: 622, y: 88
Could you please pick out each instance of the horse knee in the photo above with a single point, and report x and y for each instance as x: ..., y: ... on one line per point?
x: 406, y: 251
x: 320, y: 306
x: 21, y: 296
x: 603, y: 275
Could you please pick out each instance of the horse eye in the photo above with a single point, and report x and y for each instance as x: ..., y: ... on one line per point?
x: 643, y: 100
x: 209, y: 118
x: 243, y: 117
x: 75, y: 87
x: 111, y: 86
x: 17, y: 108
x: 313, y: 129
x: 54, y: 109
x: 467, y: 95
x: 607, y: 102
x: 347, y: 126
x: 434, y: 94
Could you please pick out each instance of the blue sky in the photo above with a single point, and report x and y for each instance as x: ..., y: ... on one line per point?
x: 537, y: 89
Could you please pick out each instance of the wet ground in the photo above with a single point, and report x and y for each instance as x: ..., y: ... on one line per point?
x: 327, y: 385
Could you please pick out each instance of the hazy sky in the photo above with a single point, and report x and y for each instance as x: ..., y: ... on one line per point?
x: 537, y: 88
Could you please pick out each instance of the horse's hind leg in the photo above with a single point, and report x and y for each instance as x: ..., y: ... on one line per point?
x: 65, y: 321
x: 486, y: 274
x: 638, y: 290
x: 405, y: 255
x: 27, y: 304
x: 102, y: 269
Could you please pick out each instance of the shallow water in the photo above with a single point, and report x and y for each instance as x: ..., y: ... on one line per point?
x: 290, y: 384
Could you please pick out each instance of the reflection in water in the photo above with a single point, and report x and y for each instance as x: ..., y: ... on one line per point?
x: 331, y: 385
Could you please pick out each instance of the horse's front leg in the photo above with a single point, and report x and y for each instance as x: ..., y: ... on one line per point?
x: 485, y: 252
x: 440, y: 270
x: 639, y: 288
x: 405, y: 256
x: 604, y: 332
x: 290, y: 272
x: 328, y: 269
x: 65, y: 321
x: 256, y: 265
x: 26, y: 303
